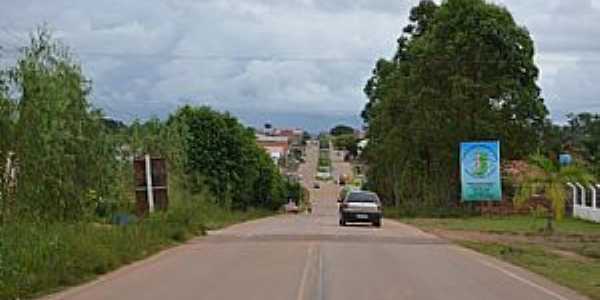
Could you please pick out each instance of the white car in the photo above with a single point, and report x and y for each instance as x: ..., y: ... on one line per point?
x: 361, y: 206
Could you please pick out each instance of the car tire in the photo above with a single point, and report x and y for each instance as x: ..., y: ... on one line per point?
x: 377, y: 223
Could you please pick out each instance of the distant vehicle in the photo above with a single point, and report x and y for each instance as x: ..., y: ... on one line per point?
x: 291, y: 207
x: 323, y: 176
x: 361, y: 206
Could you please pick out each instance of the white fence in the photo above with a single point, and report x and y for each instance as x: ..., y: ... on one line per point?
x: 585, y: 203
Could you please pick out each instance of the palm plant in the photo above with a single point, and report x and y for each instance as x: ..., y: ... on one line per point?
x: 549, y: 179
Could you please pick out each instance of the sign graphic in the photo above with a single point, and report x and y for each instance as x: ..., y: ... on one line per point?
x: 480, y: 171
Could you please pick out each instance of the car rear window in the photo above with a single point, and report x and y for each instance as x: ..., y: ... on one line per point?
x: 362, y: 197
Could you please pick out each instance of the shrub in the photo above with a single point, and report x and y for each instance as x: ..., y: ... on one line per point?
x: 38, y: 257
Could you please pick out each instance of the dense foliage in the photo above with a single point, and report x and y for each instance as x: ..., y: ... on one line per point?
x: 463, y: 71
x: 347, y: 142
x: 223, y: 155
x: 71, y: 163
x: 66, y: 214
x: 341, y: 130
x: 41, y: 257
x: 548, y: 178
x: 579, y: 137
x: 60, y: 147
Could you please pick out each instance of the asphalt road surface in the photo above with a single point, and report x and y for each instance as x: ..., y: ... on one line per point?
x: 310, y: 257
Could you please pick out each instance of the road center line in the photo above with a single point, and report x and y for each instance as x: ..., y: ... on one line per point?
x: 305, y: 272
x: 321, y: 276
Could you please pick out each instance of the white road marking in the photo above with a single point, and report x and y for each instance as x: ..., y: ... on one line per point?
x: 511, y: 274
x: 305, y: 272
x: 320, y: 280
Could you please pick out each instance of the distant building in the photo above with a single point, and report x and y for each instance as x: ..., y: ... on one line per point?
x: 278, y: 142
x: 294, y: 135
x: 276, y: 146
x: 276, y: 153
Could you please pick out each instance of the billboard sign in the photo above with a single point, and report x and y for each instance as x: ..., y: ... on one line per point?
x: 480, y: 171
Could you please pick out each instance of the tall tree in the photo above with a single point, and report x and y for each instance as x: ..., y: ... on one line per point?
x: 463, y: 70
x: 59, y: 143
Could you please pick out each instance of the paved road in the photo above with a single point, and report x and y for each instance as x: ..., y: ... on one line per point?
x: 310, y: 257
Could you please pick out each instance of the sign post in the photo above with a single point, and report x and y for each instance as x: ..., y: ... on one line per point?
x: 480, y: 171
x: 149, y: 191
x: 151, y: 184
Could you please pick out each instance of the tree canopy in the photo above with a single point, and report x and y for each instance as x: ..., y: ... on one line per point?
x: 57, y: 138
x: 223, y: 154
x: 341, y: 130
x: 463, y: 70
x: 71, y: 161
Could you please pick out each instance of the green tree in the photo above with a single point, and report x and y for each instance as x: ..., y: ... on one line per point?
x: 59, y: 140
x: 582, y: 136
x: 341, y: 129
x: 7, y: 114
x: 463, y: 70
x: 346, y: 142
x: 223, y: 155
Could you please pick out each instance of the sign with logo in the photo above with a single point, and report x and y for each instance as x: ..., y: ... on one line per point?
x: 480, y: 171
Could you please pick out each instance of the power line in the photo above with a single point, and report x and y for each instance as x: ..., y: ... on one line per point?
x: 276, y: 58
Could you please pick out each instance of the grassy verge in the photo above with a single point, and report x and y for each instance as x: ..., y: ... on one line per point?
x: 583, y: 277
x: 41, y: 258
x: 570, y: 256
x: 511, y: 224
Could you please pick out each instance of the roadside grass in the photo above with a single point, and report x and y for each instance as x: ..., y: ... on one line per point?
x: 509, y: 225
x: 570, y: 256
x: 583, y: 277
x: 36, y: 258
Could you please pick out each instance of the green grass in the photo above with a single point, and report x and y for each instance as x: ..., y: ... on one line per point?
x: 324, y: 159
x: 511, y: 224
x: 583, y: 277
x: 537, y: 251
x: 41, y: 258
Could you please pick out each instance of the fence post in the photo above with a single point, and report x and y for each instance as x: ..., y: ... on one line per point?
x: 574, y: 193
x: 593, y: 200
x: 582, y: 198
x: 596, y: 204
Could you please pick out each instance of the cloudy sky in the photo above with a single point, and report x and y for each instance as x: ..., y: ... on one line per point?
x: 293, y: 62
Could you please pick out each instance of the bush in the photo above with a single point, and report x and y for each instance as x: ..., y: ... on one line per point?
x: 38, y: 257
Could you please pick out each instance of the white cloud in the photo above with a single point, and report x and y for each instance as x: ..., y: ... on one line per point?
x: 285, y: 57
